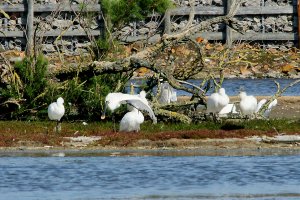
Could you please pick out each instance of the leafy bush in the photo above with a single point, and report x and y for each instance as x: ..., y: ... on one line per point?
x: 87, y: 94
x: 27, y: 85
x: 33, y: 76
x: 100, y: 48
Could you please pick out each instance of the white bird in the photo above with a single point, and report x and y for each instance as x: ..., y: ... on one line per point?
x: 167, y: 93
x: 217, y: 101
x: 260, y: 104
x: 270, y: 106
x: 248, y: 104
x: 56, y: 111
x: 228, y: 109
x: 132, y: 118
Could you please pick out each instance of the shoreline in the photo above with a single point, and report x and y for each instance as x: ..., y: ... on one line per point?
x: 254, y: 146
x: 81, y: 142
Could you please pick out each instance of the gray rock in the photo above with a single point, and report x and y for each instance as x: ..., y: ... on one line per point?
x: 61, y: 24
x: 151, y: 25
x: 143, y: 31
x: 288, y: 29
x: 49, y: 48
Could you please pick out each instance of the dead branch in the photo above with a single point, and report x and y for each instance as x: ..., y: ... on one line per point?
x: 276, y: 95
x: 191, y: 15
x: 203, y: 25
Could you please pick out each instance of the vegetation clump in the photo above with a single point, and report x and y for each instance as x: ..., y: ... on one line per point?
x: 119, y: 12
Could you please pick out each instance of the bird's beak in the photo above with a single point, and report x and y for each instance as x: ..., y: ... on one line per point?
x: 103, y: 113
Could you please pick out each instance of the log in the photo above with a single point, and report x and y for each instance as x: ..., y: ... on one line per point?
x: 30, y: 31
x: 173, y: 116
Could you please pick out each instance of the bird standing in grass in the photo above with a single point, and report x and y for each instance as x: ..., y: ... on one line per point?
x: 131, y: 120
x: 56, y: 111
x: 216, y: 101
x: 248, y: 104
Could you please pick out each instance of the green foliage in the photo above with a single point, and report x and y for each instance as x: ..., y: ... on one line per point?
x: 124, y: 11
x: 87, y: 94
x: 33, y: 76
x: 27, y: 84
x: 101, y: 48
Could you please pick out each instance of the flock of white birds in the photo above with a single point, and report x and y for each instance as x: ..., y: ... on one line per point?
x: 217, y: 104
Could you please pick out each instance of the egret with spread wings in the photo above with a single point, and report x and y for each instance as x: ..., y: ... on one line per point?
x: 131, y: 120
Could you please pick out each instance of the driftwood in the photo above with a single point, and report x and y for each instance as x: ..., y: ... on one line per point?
x: 282, y: 139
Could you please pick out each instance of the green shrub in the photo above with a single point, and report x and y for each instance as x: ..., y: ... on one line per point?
x: 86, y: 95
x: 28, y: 85
x: 119, y: 12
x: 100, y: 48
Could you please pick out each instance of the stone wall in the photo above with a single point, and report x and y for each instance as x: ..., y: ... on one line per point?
x: 59, y: 21
x: 52, y: 24
x: 284, y: 23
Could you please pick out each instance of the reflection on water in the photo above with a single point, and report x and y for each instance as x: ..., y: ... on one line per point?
x: 151, y: 177
x: 257, y: 87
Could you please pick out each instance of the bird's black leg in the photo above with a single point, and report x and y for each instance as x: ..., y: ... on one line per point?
x: 58, y: 126
x: 114, y: 122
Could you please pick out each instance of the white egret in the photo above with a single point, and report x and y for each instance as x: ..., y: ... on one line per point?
x: 228, y: 109
x: 131, y: 120
x: 248, y: 104
x: 167, y: 93
x: 260, y: 104
x: 268, y: 110
x: 56, y: 111
x: 217, y: 101
x: 271, y: 105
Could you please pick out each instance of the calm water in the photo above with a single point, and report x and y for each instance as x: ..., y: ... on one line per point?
x: 151, y: 177
x: 257, y: 87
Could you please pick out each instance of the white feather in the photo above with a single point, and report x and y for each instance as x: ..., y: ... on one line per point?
x: 131, y: 120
